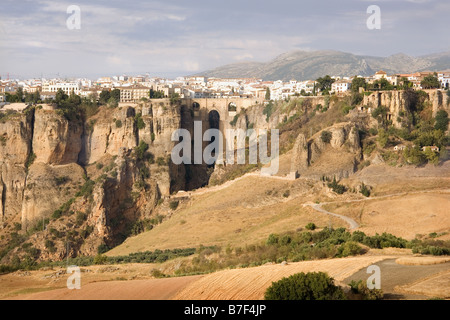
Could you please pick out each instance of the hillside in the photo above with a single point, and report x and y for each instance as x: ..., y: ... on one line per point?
x: 305, y: 65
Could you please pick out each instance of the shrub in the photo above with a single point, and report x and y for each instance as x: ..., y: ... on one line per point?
x: 160, y: 161
x: 336, y: 187
x: 118, y: 124
x: 173, y: 205
x: 326, y: 136
x: 360, y: 287
x: 61, y: 180
x: 102, y: 248
x: 349, y: 248
x: 50, y: 246
x: 157, y: 273
x: 140, y: 150
x: 272, y: 239
x: 365, y: 190
x: 30, y: 160
x: 140, y: 124
x: 301, y: 286
x: 310, y: 226
x: 100, y: 259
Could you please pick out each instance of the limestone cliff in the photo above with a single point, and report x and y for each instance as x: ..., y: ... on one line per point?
x: 400, y: 101
x: 54, y: 170
x: 338, y: 157
x: 15, y: 147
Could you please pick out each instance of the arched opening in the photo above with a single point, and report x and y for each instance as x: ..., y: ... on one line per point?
x: 196, y: 106
x: 214, y: 123
x: 232, y: 107
x: 214, y: 119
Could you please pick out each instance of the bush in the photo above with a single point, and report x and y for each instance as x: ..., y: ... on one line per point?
x: 365, y: 190
x: 100, y: 259
x: 349, y: 248
x: 336, y: 187
x: 140, y: 150
x: 160, y: 161
x: 301, y: 286
x: 310, y: 226
x: 118, y: 124
x: 173, y: 205
x: 140, y: 124
x: 30, y: 160
x: 359, y: 287
x: 326, y: 136
x: 102, y: 248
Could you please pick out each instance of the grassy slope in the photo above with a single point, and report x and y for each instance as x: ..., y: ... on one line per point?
x: 234, y: 216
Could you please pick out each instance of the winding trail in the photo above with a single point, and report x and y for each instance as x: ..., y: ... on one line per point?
x: 352, y: 223
x: 316, y: 206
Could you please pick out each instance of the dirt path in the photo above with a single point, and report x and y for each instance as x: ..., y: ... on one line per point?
x: 352, y: 223
x: 318, y: 207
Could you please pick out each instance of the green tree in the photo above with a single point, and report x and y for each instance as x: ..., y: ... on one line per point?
x: 357, y: 83
x: 267, y: 97
x: 112, y: 102
x: 441, y: 120
x: 174, y: 98
x: 60, y: 97
x: 383, y: 84
x: 324, y: 83
x: 105, y: 95
x: 414, y: 156
x: 20, y: 94
x: 430, y: 82
x: 156, y: 94
x: 115, y: 93
x: 432, y: 156
x: 405, y: 83
x: 305, y: 286
x: 383, y: 137
x: 380, y: 114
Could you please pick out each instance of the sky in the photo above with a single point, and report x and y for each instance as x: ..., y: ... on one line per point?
x: 182, y: 37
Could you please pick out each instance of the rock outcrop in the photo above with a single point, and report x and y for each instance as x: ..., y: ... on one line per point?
x: 338, y: 157
x: 56, y: 140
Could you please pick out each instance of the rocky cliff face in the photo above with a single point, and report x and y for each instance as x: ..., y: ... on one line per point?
x: 52, y: 167
x: 399, y: 101
x: 15, y: 146
x: 338, y: 157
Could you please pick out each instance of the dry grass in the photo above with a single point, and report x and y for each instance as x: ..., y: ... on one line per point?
x: 404, y: 216
x: 435, y: 286
x: 251, y: 283
x: 421, y: 261
x: 234, y: 216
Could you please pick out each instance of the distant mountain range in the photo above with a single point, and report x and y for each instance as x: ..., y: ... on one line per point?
x: 304, y: 65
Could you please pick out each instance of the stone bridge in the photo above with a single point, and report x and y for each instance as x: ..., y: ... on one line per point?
x: 221, y: 109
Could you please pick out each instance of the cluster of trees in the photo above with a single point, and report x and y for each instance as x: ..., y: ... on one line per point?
x: 20, y: 96
x: 429, y: 82
x: 418, y: 126
x: 109, y: 98
x: 324, y: 84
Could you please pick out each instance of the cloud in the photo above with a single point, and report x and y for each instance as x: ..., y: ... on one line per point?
x: 183, y: 37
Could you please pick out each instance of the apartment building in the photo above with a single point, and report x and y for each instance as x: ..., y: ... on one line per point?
x: 133, y: 93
